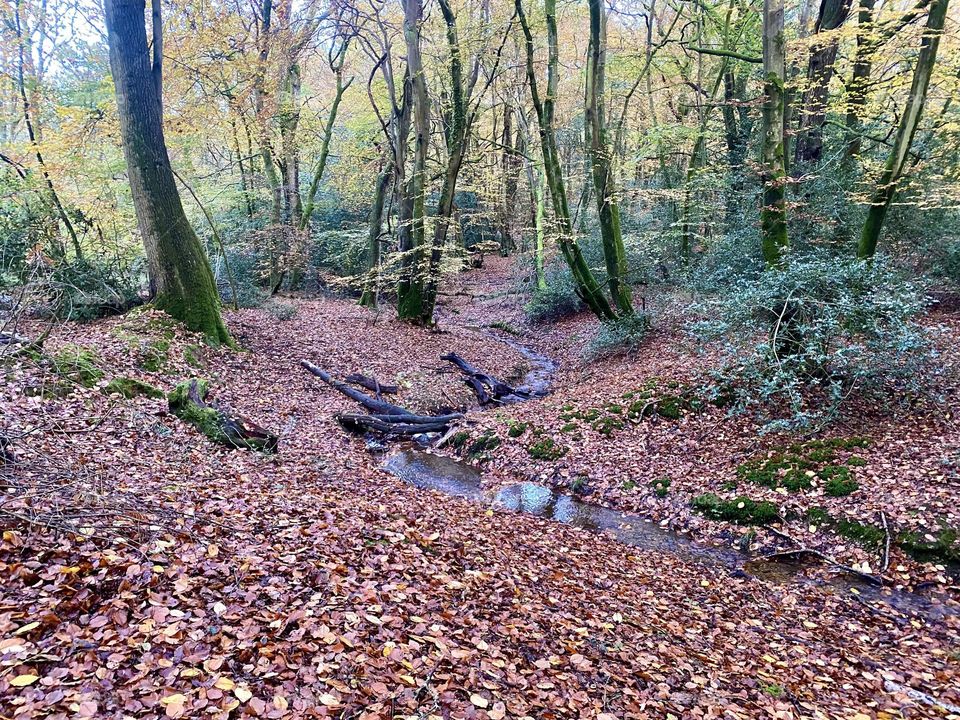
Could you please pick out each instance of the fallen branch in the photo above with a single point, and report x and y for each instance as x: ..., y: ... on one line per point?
x: 371, y: 384
x: 370, y: 403
x: 188, y: 401
x: 393, y: 424
x: 486, y: 387
x: 921, y: 697
x: 802, y: 551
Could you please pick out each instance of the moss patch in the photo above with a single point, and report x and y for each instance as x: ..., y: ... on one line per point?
x: 516, y: 429
x: 661, y: 486
x: 77, y: 365
x: 795, y: 467
x: 741, y: 510
x: 942, y: 547
x: 131, y: 387
x: 546, y: 449
x: 483, y: 445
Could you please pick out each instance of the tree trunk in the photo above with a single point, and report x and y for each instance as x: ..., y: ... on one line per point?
x: 909, y: 121
x: 608, y: 207
x: 178, y: 264
x: 585, y: 283
x: 862, y: 67
x: 370, y: 295
x: 773, y: 214
x: 410, y: 289
x: 833, y: 13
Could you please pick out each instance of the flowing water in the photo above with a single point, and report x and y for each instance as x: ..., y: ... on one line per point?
x: 428, y: 471
x: 437, y: 472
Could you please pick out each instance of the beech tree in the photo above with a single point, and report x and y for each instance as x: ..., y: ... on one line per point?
x: 773, y: 214
x: 909, y: 122
x: 179, y: 269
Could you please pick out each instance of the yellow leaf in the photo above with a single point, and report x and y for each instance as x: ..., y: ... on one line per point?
x: 26, y: 628
x: 24, y: 680
x: 190, y: 672
x: 243, y: 693
x: 225, y: 683
x: 176, y: 698
x: 329, y: 700
x: 479, y: 700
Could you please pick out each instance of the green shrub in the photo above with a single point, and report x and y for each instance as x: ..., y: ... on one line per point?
x: 830, y: 325
x: 837, y: 481
x: 623, y: 335
x: 557, y: 300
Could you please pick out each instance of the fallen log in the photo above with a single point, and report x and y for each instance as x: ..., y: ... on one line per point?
x: 486, y: 387
x: 394, y: 424
x: 371, y: 384
x: 372, y: 404
x: 383, y: 417
x: 188, y: 401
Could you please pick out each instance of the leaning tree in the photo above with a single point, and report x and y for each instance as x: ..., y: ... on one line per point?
x: 178, y: 265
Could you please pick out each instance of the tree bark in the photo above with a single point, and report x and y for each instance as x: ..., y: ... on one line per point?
x: 585, y: 283
x: 773, y: 214
x: 178, y: 263
x: 909, y: 121
x: 608, y: 207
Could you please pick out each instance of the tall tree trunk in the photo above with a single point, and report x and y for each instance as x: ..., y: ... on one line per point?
x: 823, y: 54
x: 369, y: 298
x: 604, y: 185
x: 185, y: 285
x: 324, y: 150
x: 537, y: 183
x: 585, y: 283
x: 410, y: 289
x: 263, y: 130
x: 30, y: 117
x: 909, y: 121
x: 773, y: 214
x: 862, y: 67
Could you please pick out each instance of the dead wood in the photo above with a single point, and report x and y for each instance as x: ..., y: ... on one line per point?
x: 371, y: 384
x: 486, y: 387
x: 393, y: 424
x: 372, y: 404
x: 189, y: 402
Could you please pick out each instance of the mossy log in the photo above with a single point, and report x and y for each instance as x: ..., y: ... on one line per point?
x: 189, y: 402
x: 486, y: 387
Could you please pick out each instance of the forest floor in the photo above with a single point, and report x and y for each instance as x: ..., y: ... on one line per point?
x: 150, y: 573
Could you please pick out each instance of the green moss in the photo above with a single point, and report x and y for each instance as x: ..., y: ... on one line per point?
x: 943, y: 548
x: 741, y: 510
x: 579, y: 484
x: 206, y: 420
x: 131, y: 387
x: 662, y: 486
x: 516, y: 429
x: 483, y: 444
x: 779, y: 470
x: 628, y: 485
x: 838, y: 481
x: 773, y: 690
x: 870, y: 536
x: 855, y: 461
x: 191, y: 354
x: 78, y: 365
x: 459, y: 439
x: 155, y: 355
x: 546, y: 449
x: 607, y: 425
x: 505, y: 327
x: 669, y: 407
x: 817, y: 515
x: 569, y: 427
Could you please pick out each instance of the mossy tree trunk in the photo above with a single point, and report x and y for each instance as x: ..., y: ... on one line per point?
x: 773, y: 213
x: 179, y: 266
x: 538, y: 189
x: 410, y: 289
x: 369, y: 298
x: 585, y: 283
x: 909, y: 121
x: 608, y: 207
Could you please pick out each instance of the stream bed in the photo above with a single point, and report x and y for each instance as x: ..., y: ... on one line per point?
x: 429, y: 471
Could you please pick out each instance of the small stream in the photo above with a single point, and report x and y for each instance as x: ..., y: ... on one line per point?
x: 428, y: 471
